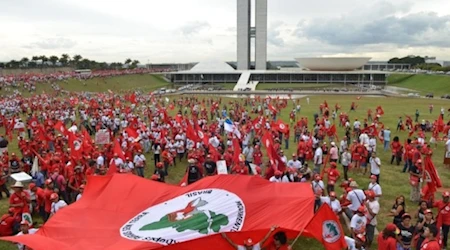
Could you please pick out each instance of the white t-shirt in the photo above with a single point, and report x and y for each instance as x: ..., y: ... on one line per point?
x: 375, y: 207
x: 376, y: 188
x: 30, y: 231
x: 318, y: 156
x: 351, y: 244
x: 255, y: 247
x: 447, y: 144
x: 295, y: 164
x: 335, y: 205
x: 375, y: 164
x: 274, y: 179
x: 356, y: 197
x: 79, y: 196
x: 56, y: 206
x: 358, y: 223
x: 317, y: 186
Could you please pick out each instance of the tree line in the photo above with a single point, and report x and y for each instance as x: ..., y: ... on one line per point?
x: 76, y: 61
x: 418, y: 62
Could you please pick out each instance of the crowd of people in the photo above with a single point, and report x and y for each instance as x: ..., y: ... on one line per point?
x: 244, y: 137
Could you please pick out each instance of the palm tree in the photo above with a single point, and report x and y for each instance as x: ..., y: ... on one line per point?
x: 54, y: 60
x: 44, y: 60
x: 128, y: 61
x: 35, y: 58
x: 134, y: 64
x: 64, y: 59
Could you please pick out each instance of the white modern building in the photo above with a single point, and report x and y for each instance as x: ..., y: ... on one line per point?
x: 245, y: 33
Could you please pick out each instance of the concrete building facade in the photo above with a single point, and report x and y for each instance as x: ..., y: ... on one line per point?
x: 245, y: 33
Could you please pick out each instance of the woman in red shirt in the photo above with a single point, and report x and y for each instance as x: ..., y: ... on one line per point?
x: 387, y: 240
x: 396, y: 149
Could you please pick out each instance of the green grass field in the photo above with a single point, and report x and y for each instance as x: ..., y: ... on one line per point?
x: 424, y: 84
x: 393, y: 182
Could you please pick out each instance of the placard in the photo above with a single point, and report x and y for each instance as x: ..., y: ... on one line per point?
x: 253, y: 167
x: 222, y: 167
x: 102, y: 137
x: 22, y: 177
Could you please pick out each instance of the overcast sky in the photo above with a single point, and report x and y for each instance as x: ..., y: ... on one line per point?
x: 198, y: 30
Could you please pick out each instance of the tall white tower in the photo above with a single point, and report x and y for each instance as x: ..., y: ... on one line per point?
x: 245, y: 32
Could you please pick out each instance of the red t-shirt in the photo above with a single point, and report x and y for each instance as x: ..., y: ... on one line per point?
x: 444, y: 211
x: 386, y: 244
x: 243, y: 170
x: 6, y: 224
x: 333, y: 175
x: 47, y: 201
x: 15, y: 199
x: 430, y: 245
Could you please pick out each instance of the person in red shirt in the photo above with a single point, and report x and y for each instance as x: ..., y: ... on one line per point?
x: 431, y: 243
x: 257, y: 156
x: 443, y: 207
x: 333, y: 177
x: 48, y: 191
x: 387, y: 240
x: 240, y: 168
x: 40, y: 199
x: 8, y: 224
x: 19, y: 200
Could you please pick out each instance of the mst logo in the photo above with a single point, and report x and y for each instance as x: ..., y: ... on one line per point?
x: 189, y: 216
x: 330, y: 231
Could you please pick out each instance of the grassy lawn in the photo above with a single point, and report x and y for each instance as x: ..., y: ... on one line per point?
x: 424, y: 84
x: 393, y: 181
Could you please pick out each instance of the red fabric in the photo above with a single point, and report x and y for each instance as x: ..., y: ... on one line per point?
x: 100, y: 214
x: 6, y: 223
x: 326, y: 228
x: 280, y: 127
x: 386, y: 244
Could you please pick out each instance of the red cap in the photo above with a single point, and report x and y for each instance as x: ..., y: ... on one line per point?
x: 373, y: 177
x: 393, y: 228
x: 333, y: 194
x: 159, y: 165
x: 155, y: 177
x: 48, y: 181
x: 278, y: 173
x: 11, y: 210
x: 31, y: 186
x: 54, y: 196
x: 248, y: 242
x: 428, y: 211
x: 361, y: 209
x: 419, y: 161
x: 348, y: 189
x: 446, y: 194
x: 55, y: 170
x: 333, y: 164
x: 370, y: 194
x: 361, y: 237
x: 82, y: 186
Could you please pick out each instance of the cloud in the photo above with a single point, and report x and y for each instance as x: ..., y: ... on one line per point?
x: 274, y: 35
x: 52, y: 43
x: 193, y: 28
x: 386, y: 24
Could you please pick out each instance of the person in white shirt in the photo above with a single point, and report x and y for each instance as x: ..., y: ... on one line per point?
x: 375, y: 165
x: 276, y: 177
x: 249, y: 244
x: 128, y: 166
x: 358, y: 222
x: 139, y: 161
x: 372, y: 144
x: 318, y: 187
x: 356, y: 198
x: 294, y: 162
x: 81, y: 192
x: 332, y: 201
x: 346, y: 159
x: 375, y: 187
x: 357, y: 243
x: 100, y: 160
x: 318, y: 154
x: 364, y: 138
x: 117, y: 161
x: 57, y: 204
x: 373, y: 208
x: 25, y: 229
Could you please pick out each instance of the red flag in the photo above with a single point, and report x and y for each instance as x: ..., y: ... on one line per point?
x: 326, y: 228
x: 371, y: 130
x: 275, y: 160
x: 133, y: 98
x: 112, y: 168
x: 280, y: 126
x: 76, y: 146
x: 118, y: 150
x: 236, y: 150
x: 131, y: 132
x: 59, y: 126
x: 272, y: 108
x: 440, y: 124
x: 190, y: 132
x: 238, y: 205
x: 380, y: 110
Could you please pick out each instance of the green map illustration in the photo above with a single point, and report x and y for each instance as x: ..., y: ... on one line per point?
x: 198, y: 221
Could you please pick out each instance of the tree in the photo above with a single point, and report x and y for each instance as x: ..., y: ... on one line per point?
x: 2, y: 65
x: 24, y: 62
x: 413, y: 60
x: 54, y: 60
x: 128, y: 61
x: 35, y: 58
x: 44, y: 60
x: 77, y: 58
x: 13, y: 64
x: 134, y: 64
x: 64, y: 59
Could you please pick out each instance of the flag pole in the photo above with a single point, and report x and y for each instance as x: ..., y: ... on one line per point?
x: 303, y: 230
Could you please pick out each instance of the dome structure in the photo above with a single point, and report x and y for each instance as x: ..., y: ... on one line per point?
x: 332, y: 63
